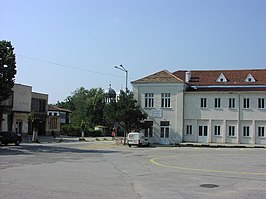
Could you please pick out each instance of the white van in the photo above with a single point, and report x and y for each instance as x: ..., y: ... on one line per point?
x: 137, y: 138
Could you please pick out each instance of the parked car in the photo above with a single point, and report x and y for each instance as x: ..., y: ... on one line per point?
x: 7, y: 137
x: 137, y: 138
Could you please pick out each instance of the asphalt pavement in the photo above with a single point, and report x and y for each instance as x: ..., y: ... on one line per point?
x: 104, y: 169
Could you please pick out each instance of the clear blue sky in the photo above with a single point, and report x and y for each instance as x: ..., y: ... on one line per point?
x: 87, y: 38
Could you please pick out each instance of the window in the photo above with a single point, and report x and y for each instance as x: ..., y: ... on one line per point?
x: 246, y: 131
x: 203, y: 130
x: 261, y: 103
x: 231, y: 131
x: 221, y: 78
x: 203, y: 102
x: 217, y: 130
x: 149, y: 100
x: 217, y: 103
x: 232, y: 103
x: 246, y: 103
x: 53, y: 123
x: 261, y: 131
x: 38, y: 105
x: 189, y: 130
x: 165, y: 129
x: 250, y: 78
x: 165, y: 100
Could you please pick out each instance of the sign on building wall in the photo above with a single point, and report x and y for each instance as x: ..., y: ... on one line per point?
x: 157, y: 113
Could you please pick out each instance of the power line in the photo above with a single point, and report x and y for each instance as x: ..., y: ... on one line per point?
x: 67, y: 66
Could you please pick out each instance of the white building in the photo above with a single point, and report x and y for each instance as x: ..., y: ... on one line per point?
x: 219, y: 106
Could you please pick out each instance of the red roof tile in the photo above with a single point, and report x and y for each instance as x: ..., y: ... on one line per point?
x: 234, y: 77
x: 56, y: 108
x: 163, y: 76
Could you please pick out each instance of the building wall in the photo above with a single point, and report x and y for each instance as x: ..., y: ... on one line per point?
x: 157, y: 114
x: 4, y: 123
x: 20, y: 123
x: 21, y: 108
x: 22, y: 98
x: 239, y: 117
x: 40, y: 97
x: 53, y: 122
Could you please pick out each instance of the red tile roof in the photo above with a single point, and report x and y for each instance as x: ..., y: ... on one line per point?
x: 234, y: 77
x: 163, y: 76
x: 207, y: 79
x: 56, y: 108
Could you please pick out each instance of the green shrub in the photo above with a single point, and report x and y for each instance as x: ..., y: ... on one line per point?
x: 71, y: 130
x: 75, y: 130
x: 95, y: 133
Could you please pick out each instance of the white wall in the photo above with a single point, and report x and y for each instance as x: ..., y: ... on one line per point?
x: 239, y: 117
x: 22, y: 98
x: 174, y: 114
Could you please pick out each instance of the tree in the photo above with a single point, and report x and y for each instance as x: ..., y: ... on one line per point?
x: 82, y: 126
x: 125, y: 112
x: 32, y: 119
x: 86, y: 105
x: 7, y: 72
x: 95, y: 106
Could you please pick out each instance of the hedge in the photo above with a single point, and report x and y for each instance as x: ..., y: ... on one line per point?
x: 75, y: 131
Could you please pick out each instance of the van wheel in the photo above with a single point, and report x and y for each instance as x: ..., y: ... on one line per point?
x: 129, y: 145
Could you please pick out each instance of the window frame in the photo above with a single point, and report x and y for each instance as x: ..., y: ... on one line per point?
x: 246, y: 131
x: 165, y: 100
x: 165, y: 129
x: 261, y: 103
x: 246, y: 103
x: 203, y: 130
x: 217, y: 103
x: 203, y: 102
x: 261, y: 131
x: 189, y: 129
x: 232, y: 131
x: 232, y: 103
x: 217, y: 130
x: 149, y: 100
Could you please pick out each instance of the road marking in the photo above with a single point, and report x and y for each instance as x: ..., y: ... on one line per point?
x: 154, y: 161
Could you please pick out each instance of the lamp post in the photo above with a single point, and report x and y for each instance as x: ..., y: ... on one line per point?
x: 122, y: 68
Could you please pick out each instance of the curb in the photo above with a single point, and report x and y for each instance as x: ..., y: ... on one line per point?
x: 218, y: 145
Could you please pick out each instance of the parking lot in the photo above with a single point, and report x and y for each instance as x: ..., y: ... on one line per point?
x: 107, y: 170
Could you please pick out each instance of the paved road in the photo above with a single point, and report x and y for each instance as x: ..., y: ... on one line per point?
x: 105, y: 170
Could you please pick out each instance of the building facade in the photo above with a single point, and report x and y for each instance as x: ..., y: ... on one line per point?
x: 56, y: 117
x: 21, y: 103
x: 221, y: 106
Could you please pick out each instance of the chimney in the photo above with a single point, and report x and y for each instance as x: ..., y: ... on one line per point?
x: 188, y: 76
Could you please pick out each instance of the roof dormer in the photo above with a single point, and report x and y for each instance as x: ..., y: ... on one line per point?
x: 250, y: 78
x: 221, y: 78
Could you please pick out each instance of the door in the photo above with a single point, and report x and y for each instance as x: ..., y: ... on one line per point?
x: 19, y: 126
x: 164, y: 135
x: 203, y: 134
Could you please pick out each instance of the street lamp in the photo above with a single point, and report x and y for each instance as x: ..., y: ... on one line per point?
x: 122, y: 68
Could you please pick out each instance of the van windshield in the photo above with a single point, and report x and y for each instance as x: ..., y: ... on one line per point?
x: 133, y: 136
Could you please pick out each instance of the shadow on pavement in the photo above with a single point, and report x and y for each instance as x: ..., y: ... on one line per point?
x: 31, y: 149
